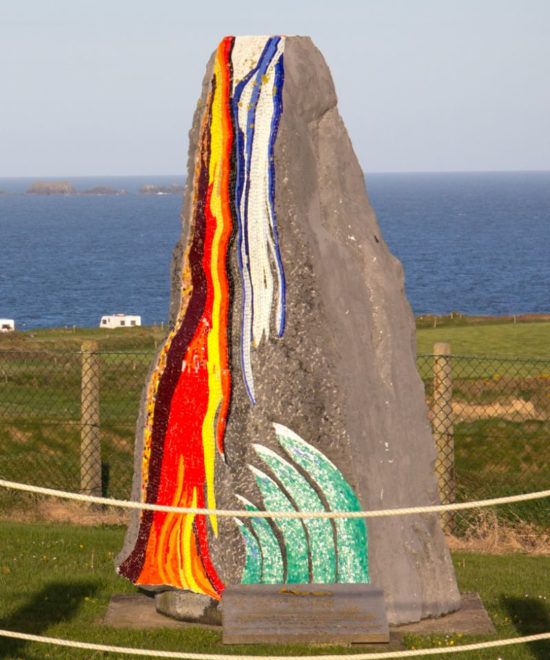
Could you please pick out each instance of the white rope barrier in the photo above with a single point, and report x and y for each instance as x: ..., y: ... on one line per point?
x: 462, y: 648
x: 229, y: 513
x: 273, y: 514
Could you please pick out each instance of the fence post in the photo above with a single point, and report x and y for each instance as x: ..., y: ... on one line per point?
x: 442, y: 424
x: 90, y: 443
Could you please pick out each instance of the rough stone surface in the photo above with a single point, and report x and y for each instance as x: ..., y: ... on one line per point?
x: 344, y: 376
x: 186, y: 606
x: 314, y: 613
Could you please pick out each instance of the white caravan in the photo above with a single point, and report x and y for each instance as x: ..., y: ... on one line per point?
x: 7, y: 325
x: 119, y: 321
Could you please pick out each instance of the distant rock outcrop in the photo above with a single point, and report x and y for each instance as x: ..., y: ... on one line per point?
x: 152, y: 189
x: 51, y: 188
x: 103, y: 190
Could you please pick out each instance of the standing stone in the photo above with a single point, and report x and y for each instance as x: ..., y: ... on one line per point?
x: 288, y: 380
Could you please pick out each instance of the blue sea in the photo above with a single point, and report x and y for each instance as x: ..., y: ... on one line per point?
x: 477, y: 243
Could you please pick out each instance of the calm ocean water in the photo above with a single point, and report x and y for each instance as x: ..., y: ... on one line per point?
x: 475, y: 243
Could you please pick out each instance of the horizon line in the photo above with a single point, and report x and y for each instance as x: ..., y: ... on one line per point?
x: 365, y: 172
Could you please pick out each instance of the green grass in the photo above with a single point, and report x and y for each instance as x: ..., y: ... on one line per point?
x: 496, y: 458
x: 456, y: 319
x: 497, y: 339
x: 40, y: 415
x: 56, y: 580
x: 516, y: 594
x: 467, y: 335
x: 144, y: 338
x: 40, y: 405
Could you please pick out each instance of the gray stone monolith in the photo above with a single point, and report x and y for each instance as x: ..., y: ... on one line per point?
x: 343, y: 376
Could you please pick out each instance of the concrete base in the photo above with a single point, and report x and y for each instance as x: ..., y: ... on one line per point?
x: 138, y: 611
x: 304, y: 613
x: 470, y: 619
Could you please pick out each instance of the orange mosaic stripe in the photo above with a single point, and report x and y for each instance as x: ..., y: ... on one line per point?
x: 189, y: 392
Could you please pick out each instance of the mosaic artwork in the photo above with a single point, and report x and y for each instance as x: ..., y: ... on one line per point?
x: 189, y: 392
x: 335, y: 555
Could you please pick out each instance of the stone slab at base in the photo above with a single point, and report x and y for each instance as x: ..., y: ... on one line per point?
x: 138, y: 611
x: 470, y: 619
x: 308, y: 613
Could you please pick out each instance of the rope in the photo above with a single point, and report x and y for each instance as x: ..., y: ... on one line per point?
x: 273, y: 514
x: 229, y: 513
x: 212, y: 656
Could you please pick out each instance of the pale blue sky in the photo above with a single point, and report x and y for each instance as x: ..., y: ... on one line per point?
x: 109, y: 86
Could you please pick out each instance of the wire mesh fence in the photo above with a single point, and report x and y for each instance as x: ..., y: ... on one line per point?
x: 491, y: 424
x: 68, y: 419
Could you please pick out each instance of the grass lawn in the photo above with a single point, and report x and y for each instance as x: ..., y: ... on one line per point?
x: 56, y: 580
x: 499, y: 339
x: 467, y: 335
x: 497, y: 458
x: 40, y: 381
x: 144, y: 338
x: 40, y: 408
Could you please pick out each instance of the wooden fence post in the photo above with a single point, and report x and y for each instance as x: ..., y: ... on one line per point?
x: 90, y: 442
x: 442, y: 424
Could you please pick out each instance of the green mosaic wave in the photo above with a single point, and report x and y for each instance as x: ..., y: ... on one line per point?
x: 252, y: 572
x: 293, y: 531
x: 320, y: 531
x: 335, y: 554
x: 351, y: 533
x: 272, y: 559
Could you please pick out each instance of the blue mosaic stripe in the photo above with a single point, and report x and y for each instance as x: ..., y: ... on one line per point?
x: 242, y: 236
x: 242, y: 188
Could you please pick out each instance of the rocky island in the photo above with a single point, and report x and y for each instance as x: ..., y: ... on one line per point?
x: 103, y: 190
x: 67, y: 188
x: 152, y: 189
x: 52, y: 188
